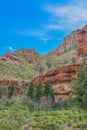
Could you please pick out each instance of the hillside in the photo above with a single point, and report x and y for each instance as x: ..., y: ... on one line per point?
x: 19, y: 65
x: 25, y: 64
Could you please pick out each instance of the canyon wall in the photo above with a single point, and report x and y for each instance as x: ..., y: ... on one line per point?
x: 69, y: 42
x: 60, y: 80
x: 82, y: 41
x: 82, y: 44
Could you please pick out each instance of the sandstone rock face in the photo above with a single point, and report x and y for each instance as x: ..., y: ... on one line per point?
x: 60, y: 80
x: 68, y: 42
x: 82, y: 42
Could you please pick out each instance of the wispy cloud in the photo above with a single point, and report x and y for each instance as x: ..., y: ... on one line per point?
x: 52, y: 27
x: 60, y: 17
x: 68, y: 16
x: 46, y: 39
x: 39, y: 34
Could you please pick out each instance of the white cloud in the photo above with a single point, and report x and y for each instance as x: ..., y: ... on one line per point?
x: 69, y: 16
x: 46, y: 39
x: 11, y: 48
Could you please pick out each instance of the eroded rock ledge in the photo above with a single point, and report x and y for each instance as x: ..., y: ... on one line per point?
x: 60, y: 80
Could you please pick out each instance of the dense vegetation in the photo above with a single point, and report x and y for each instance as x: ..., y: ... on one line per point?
x: 14, y: 115
x: 80, y: 85
x: 36, y: 110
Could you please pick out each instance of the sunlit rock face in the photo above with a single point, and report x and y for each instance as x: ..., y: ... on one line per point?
x: 82, y: 43
x: 68, y: 42
x: 60, y: 80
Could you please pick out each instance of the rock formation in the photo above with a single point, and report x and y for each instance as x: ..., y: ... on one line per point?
x: 60, y: 80
x: 68, y: 42
x: 82, y: 43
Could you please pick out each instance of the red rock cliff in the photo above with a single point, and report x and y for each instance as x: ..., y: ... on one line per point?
x: 60, y: 80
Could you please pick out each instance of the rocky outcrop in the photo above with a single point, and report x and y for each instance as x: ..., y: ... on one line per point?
x: 18, y: 86
x: 30, y: 55
x: 68, y: 42
x: 76, y: 40
x: 14, y: 58
x: 82, y: 44
x: 60, y: 80
x: 10, y: 57
x: 82, y: 41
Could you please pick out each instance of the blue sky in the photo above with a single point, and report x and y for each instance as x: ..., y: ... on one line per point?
x: 39, y: 24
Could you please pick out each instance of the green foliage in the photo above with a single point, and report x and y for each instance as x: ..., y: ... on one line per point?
x: 11, y: 91
x: 39, y: 90
x: 3, y: 90
x: 31, y: 105
x: 48, y: 89
x: 13, y: 118
x: 80, y: 85
x: 72, y: 119
x: 25, y: 72
x: 31, y: 90
x: 16, y: 116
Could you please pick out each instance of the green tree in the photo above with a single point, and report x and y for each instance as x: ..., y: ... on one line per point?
x: 39, y: 90
x: 48, y: 89
x: 49, y: 96
x: 1, y: 91
x: 11, y: 91
x: 80, y: 85
x: 4, y: 89
x: 31, y: 91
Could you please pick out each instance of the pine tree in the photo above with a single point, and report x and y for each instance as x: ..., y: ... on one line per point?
x: 31, y: 90
x: 39, y: 90
x: 1, y: 91
x: 49, y: 96
x: 80, y: 85
x: 11, y: 91
x: 48, y: 89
